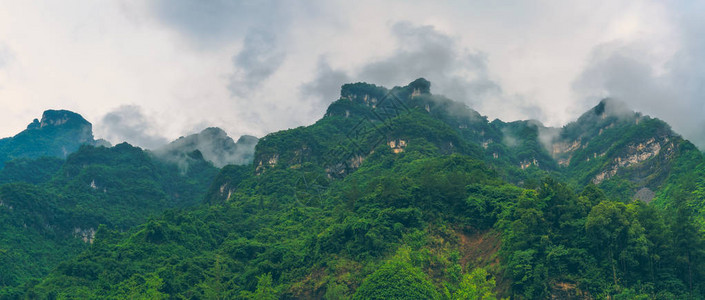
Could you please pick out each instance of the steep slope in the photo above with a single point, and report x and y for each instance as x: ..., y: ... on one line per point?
x: 34, y: 233
x: 30, y: 170
x: 214, y: 144
x: 57, y: 134
x: 122, y: 185
x: 56, y: 218
x: 400, y: 192
x: 514, y: 149
x: 302, y: 214
x: 355, y: 126
x: 627, y: 154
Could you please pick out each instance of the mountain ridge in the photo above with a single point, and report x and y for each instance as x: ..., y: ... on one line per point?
x: 609, y: 141
x: 401, y: 179
x: 61, y: 132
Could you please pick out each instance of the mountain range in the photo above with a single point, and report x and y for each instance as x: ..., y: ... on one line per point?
x: 393, y: 193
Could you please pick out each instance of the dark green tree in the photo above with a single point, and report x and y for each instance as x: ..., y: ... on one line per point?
x: 396, y: 280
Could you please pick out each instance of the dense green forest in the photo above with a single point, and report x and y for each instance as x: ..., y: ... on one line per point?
x: 393, y: 194
x: 50, y: 209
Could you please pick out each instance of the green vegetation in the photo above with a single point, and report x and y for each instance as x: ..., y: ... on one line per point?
x: 34, y: 171
x: 59, y: 133
x: 396, y: 280
x: 50, y: 218
x: 418, y: 199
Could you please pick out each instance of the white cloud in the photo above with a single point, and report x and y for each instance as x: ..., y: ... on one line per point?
x: 253, y: 67
x: 128, y: 123
x: 259, y: 58
x: 666, y: 86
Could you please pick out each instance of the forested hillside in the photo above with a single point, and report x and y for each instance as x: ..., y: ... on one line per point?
x: 58, y: 185
x: 393, y: 194
x: 50, y: 209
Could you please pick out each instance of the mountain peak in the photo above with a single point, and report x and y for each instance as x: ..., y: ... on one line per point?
x: 214, y: 145
x: 58, y: 133
x: 61, y: 117
x: 611, y: 107
x: 247, y: 139
x: 609, y: 111
x: 214, y: 132
x: 421, y: 86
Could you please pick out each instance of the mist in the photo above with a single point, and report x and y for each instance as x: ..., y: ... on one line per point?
x: 129, y: 124
x: 5, y: 56
x: 254, y: 67
x: 215, y: 146
x: 457, y: 72
x: 672, y: 90
x: 256, y: 62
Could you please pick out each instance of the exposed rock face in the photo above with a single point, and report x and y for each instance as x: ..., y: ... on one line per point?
x: 562, y: 152
x: 567, y: 291
x: 528, y: 163
x: 267, y: 162
x: 397, y: 145
x: 87, y: 235
x: 223, y: 189
x: 635, y: 154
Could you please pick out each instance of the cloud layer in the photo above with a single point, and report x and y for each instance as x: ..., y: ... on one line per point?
x: 672, y: 90
x: 128, y: 123
x: 253, y: 67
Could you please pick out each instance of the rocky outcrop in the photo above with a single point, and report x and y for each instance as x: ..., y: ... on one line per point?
x: 397, y: 145
x: 635, y: 154
x: 266, y: 162
x: 87, y: 235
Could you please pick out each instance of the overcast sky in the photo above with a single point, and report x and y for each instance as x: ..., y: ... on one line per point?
x: 151, y: 71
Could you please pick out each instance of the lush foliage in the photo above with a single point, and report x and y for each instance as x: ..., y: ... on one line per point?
x: 395, y: 193
x: 55, y: 217
x: 396, y: 280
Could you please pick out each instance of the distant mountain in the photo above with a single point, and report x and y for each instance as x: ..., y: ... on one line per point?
x: 57, y: 134
x: 214, y: 144
x: 398, y: 193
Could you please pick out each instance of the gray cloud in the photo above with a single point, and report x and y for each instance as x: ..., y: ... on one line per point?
x: 326, y: 85
x: 263, y: 27
x: 547, y: 136
x: 456, y: 72
x: 423, y: 51
x: 508, y: 138
x: 5, y: 55
x: 215, y: 146
x: 128, y: 123
x: 216, y: 22
x: 259, y: 58
x: 502, y: 60
x: 673, y: 92
x: 259, y: 25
